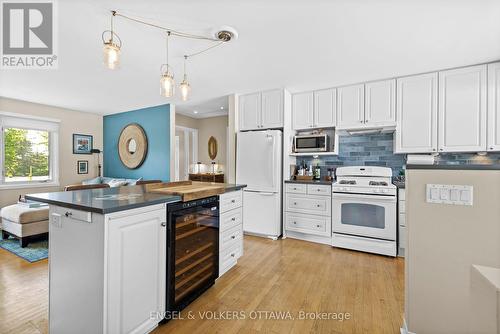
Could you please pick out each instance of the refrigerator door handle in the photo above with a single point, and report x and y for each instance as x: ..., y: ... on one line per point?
x: 266, y: 194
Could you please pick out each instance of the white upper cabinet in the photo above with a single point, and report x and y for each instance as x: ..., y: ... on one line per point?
x: 314, y: 109
x: 493, y: 107
x: 272, y: 109
x: 462, y: 109
x: 351, y: 106
x: 325, y: 105
x: 302, y: 111
x: 261, y: 110
x: 380, y: 103
x: 250, y: 110
x: 417, y: 105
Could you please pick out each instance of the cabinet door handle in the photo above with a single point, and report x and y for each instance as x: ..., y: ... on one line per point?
x: 318, y: 205
x: 318, y: 190
x: 68, y: 214
x: 295, y: 223
x: 233, y: 201
x: 318, y: 225
x: 163, y: 224
x: 233, y: 219
x: 232, y: 254
x: 294, y: 203
x: 233, y: 237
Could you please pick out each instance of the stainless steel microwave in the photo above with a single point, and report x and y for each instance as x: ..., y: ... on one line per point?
x: 310, y: 143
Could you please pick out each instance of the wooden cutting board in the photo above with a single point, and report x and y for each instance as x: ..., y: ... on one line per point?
x: 190, y: 191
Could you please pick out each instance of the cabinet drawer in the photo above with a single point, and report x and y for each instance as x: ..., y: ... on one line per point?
x: 402, y: 194
x: 230, y: 200
x: 313, y: 189
x: 296, y: 188
x: 308, y: 224
x: 84, y: 216
x: 231, y: 218
x: 229, y: 257
x: 231, y: 237
x: 402, y: 206
x: 313, y: 205
x: 402, y: 219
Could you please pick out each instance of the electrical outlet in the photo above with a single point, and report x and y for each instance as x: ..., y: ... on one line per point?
x: 56, y: 220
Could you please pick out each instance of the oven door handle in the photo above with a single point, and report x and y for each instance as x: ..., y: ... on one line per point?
x: 361, y: 197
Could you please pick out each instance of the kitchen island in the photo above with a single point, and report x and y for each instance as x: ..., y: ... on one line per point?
x: 108, y: 258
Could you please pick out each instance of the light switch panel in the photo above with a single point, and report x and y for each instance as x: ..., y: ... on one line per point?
x: 449, y: 194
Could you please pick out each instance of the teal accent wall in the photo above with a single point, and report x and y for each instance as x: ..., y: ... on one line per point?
x: 156, y: 123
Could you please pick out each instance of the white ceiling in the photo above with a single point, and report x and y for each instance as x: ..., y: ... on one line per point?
x: 211, y: 108
x: 282, y: 43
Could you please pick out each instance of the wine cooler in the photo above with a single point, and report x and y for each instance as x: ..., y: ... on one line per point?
x: 192, y: 250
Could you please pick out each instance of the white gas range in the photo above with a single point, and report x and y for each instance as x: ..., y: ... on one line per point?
x: 364, y: 210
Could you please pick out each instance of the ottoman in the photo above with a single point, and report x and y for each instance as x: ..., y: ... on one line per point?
x: 25, y: 223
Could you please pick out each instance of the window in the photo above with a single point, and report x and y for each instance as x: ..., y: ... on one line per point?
x: 28, y: 151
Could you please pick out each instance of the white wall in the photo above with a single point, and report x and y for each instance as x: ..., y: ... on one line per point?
x: 71, y: 122
x: 207, y: 127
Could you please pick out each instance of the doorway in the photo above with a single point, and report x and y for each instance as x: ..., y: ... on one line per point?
x: 186, y: 151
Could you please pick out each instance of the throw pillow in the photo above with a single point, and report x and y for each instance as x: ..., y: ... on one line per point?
x: 95, y: 180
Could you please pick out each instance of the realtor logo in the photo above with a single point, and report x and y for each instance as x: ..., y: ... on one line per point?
x: 28, y: 32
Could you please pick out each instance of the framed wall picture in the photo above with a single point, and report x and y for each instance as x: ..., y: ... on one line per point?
x: 82, y: 144
x: 82, y: 166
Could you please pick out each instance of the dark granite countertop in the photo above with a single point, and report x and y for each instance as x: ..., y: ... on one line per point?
x: 328, y: 183
x: 399, y: 184
x: 455, y: 167
x: 233, y: 187
x: 108, y: 200
x: 105, y: 200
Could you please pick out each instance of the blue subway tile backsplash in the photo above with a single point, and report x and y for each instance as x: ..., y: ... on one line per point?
x: 378, y: 150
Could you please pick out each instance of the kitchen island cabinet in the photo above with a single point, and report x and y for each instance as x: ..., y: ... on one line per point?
x: 108, y: 256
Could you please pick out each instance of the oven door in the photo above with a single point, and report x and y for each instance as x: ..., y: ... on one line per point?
x: 364, y: 215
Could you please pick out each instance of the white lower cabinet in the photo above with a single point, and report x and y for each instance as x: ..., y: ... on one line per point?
x: 308, y: 212
x: 402, y: 233
x: 230, y: 230
x: 107, y: 272
x: 135, y: 271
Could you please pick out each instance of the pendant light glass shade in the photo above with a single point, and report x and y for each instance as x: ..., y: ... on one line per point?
x: 185, y: 87
x: 185, y: 90
x: 111, y: 55
x: 111, y: 47
x: 167, y: 82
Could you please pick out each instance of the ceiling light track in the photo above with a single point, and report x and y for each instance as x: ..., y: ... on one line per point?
x: 113, y: 44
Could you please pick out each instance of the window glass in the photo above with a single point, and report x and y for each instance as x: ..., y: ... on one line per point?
x: 26, y: 155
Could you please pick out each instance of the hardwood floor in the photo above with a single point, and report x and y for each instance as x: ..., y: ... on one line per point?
x: 293, y: 276
x: 24, y: 295
x: 286, y: 275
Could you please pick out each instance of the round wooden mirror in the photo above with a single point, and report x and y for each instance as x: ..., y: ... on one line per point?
x: 212, y: 148
x: 132, y: 146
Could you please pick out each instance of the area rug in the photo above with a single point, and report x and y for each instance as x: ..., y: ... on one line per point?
x: 35, y: 251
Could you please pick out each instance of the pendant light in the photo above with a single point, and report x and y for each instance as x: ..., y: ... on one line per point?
x: 112, y: 47
x: 185, y: 87
x: 167, y: 83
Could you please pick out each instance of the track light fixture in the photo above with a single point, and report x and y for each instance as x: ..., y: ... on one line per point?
x: 113, y: 44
